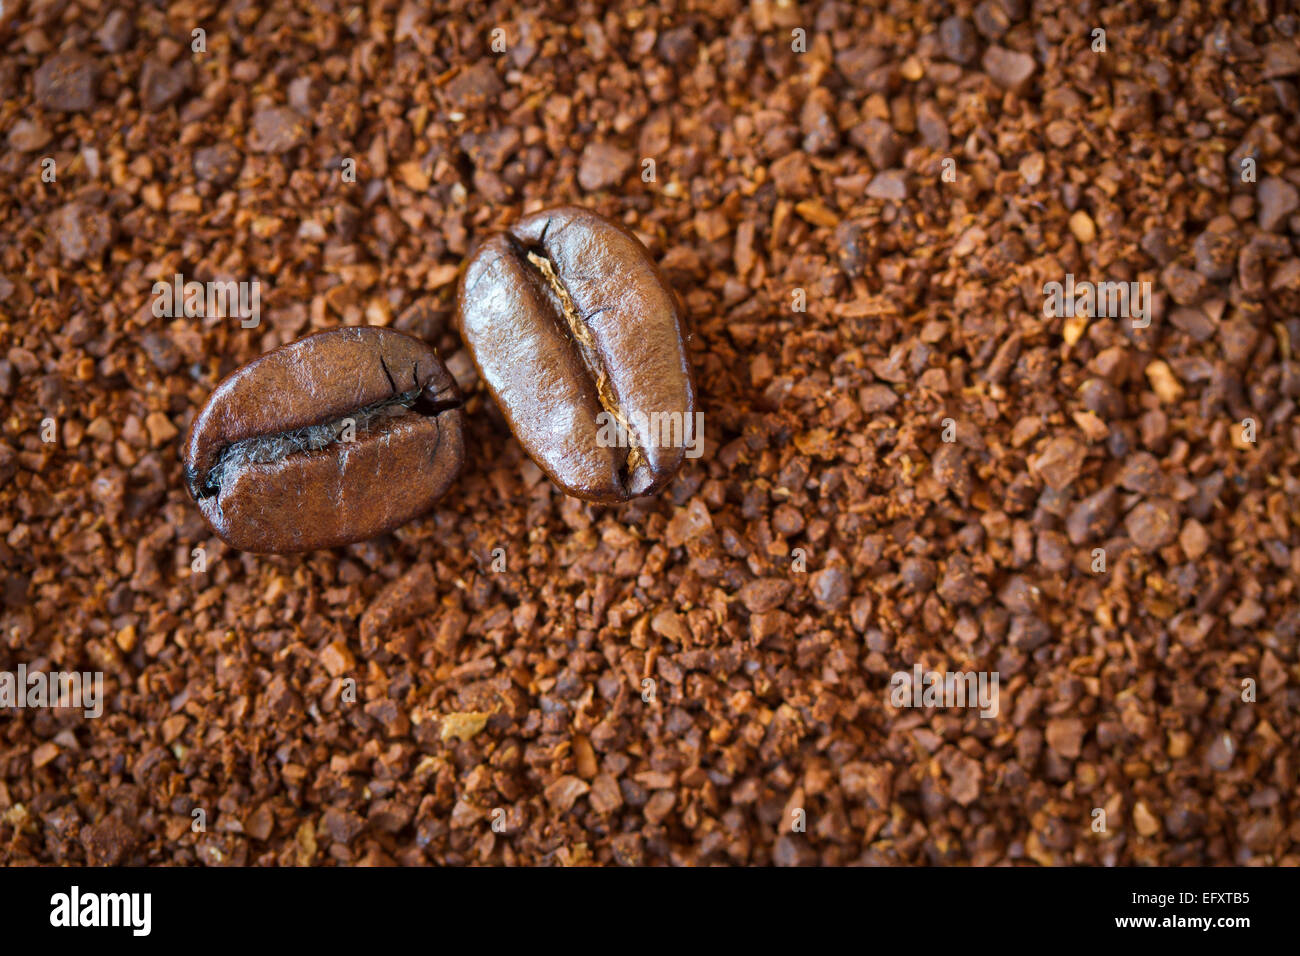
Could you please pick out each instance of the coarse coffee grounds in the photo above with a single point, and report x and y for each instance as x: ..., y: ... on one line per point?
x: 919, y: 478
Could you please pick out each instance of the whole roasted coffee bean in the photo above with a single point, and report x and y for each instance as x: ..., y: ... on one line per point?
x: 334, y: 438
x: 579, y: 340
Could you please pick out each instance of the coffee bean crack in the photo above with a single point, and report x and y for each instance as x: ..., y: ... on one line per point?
x: 584, y: 341
x: 267, y: 449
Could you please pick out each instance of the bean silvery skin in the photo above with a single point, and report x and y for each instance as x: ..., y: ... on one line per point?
x: 335, y: 438
x: 579, y: 340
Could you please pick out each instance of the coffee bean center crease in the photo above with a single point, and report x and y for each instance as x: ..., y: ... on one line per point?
x: 376, y: 417
x: 576, y: 324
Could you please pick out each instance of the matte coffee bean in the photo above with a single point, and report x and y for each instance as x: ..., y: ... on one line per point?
x: 579, y: 339
x: 335, y: 438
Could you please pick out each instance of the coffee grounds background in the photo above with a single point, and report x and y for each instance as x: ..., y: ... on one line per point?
x: 520, y: 691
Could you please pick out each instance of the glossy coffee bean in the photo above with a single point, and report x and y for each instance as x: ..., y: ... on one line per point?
x: 580, y: 341
x: 335, y: 438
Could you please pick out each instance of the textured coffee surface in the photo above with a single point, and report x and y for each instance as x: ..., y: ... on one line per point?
x: 573, y: 329
x: 331, y: 439
x: 500, y: 646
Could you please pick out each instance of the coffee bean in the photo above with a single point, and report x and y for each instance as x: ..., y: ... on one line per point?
x: 334, y: 438
x: 579, y: 340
